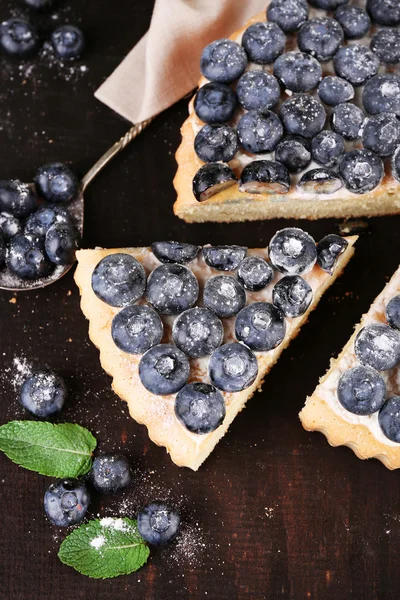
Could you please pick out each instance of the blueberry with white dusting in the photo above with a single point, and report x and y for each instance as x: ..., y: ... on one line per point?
x: 61, y: 244
x: 68, y: 42
x: 395, y: 163
x: 393, y: 312
x: 224, y: 295
x: 381, y: 134
x: 321, y: 37
x: 361, y: 390
x: 378, y: 346
x: 158, y: 523
x: 211, y: 179
x: 328, y: 4
x: 3, y: 251
x: 119, y: 279
x: 292, y: 295
x: 164, y: 369
x: 215, y: 103
x: 19, y: 38
x: 297, y: 71
x: 44, y: 218
x: 258, y: 90
x: 327, y: 148
x: 386, y: 45
x: 55, y: 182
x: 330, y: 249
x: 303, y: 115
x: 171, y: 289
x: 197, y: 332
x: 255, y: 273
x: 215, y: 143
x: 17, y: 198
x: 288, y: 14
x: 348, y: 120
x: 294, y: 153
x: 259, y: 131
x: 389, y: 419
x: 200, y: 407
x: 9, y: 226
x: 356, y: 64
x: 233, y: 367
x: 320, y: 181
x: 335, y: 90
x: 263, y: 42
x: 111, y: 473
x: 26, y: 257
x: 265, y: 177
x: 354, y: 21
x: 382, y: 94
x: 261, y: 326
x: 384, y: 12
x: 43, y: 394
x: 175, y: 252
x: 135, y: 329
x: 361, y: 171
x: 66, y: 502
x: 292, y: 251
x: 224, y: 258
x: 40, y: 4
x: 223, y: 61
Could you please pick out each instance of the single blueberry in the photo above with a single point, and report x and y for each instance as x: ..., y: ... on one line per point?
x: 292, y: 295
x: 361, y: 390
x: 68, y: 42
x: 292, y: 251
x: 164, y: 369
x: 119, y: 279
x: 211, y: 179
x: 175, y: 252
x: 43, y: 394
x: 158, y: 523
x: 66, y: 502
x: 55, y: 182
x: 393, y: 312
x: 258, y: 90
x: 294, y: 153
x: 288, y: 14
x: 382, y: 94
x: 197, y: 332
x: 135, y: 329
x: 26, y: 257
x: 215, y: 143
x: 261, y: 326
x: 215, y: 103
x: 263, y: 42
x: 41, y: 220
x: 330, y: 249
x: 356, y: 63
x: 9, y: 226
x: 384, y: 12
x: 255, y: 273
x: 3, y: 251
x: 386, y: 45
x: 328, y: 4
x: 320, y: 181
x: 327, y: 148
x: 348, y: 120
x: 389, y: 419
x: 321, y: 37
x: 297, y: 71
x: 259, y: 131
x: 41, y: 4
x: 19, y: 38
x: 361, y: 171
x: 381, y: 134
x: 233, y: 367
x: 335, y: 90
x: 110, y: 473
x: 61, y: 244
x: 303, y: 115
x: 224, y: 258
x: 200, y: 407
x: 224, y: 295
x: 223, y: 61
x: 171, y: 289
x: 396, y: 164
x: 17, y: 198
x: 378, y: 346
x: 265, y: 177
x: 354, y: 21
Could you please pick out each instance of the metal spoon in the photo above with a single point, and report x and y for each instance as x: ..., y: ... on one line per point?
x: 11, y: 282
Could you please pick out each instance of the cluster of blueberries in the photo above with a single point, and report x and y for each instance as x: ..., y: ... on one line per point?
x: 67, y: 500
x: 21, y: 39
x: 37, y: 233
x: 295, y: 129
x: 172, y: 289
x: 362, y: 389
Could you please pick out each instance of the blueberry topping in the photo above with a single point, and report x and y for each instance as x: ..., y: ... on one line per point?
x: 384, y: 12
x: 175, y: 252
x: 110, y: 473
x: 327, y: 148
x: 288, y: 14
x: 164, y: 369
x: 56, y: 182
x: 211, y: 179
x: 335, y: 90
x: 26, y: 257
x: 292, y: 295
x: 354, y: 21
x: 330, y: 249
x: 40, y: 4
x: 216, y: 143
x: 297, y: 71
x: 378, y: 346
x: 197, y: 332
x: 3, y: 251
x: 292, y: 251
x: 361, y: 390
x: 224, y: 258
x: 135, y: 329
x: 328, y: 4
x: 233, y: 367
x: 261, y: 326
x: 224, y: 295
x: 320, y: 37
x: 223, y: 61
x: 382, y: 94
x: 17, y: 198
x: 43, y: 394
x: 68, y: 42
x: 356, y: 64
x: 361, y: 171
x: 255, y: 273
x: 348, y: 121
x: 382, y: 134
x: 386, y: 45
x: 66, y: 502
x: 258, y: 90
x: 393, y: 312
x: 303, y: 115
x: 61, y: 243
x: 41, y: 220
x: 263, y: 42
x: 200, y: 407
x: 320, y: 181
x: 119, y: 280
x: 259, y: 131
x: 396, y: 164
x: 294, y: 153
x: 215, y: 103
x: 389, y: 419
x: 9, y: 226
x: 158, y: 523
x: 171, y: 289
x: 265, y: 177
x: 19, y: 38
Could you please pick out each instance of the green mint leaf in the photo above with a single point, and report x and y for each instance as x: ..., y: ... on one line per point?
x: 105, y: 548
x: 63, y: 450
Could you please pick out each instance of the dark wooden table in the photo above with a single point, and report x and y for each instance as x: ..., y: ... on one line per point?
x: 275, y: 512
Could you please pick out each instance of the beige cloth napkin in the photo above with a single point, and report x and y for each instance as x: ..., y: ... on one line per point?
x: 164, y: 65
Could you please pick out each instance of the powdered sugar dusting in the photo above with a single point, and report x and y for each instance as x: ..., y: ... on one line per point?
x: 20, y: 371
x: 98, y: 542
x: 112, y: 523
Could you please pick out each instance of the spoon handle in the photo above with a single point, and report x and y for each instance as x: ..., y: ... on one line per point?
x: 113, y: 151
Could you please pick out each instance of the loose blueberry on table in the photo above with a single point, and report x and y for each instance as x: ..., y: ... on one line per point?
x: 110, y: 473
x: 158, y: 523
x: 43, y: 394
x: 68, y: 42
x: 66, y: 502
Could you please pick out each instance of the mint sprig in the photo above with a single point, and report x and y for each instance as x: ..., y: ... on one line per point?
x: 105, y: 548
x: 63, y: 450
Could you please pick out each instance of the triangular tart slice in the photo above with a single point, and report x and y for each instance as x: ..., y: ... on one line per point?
x: 195, y: 377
